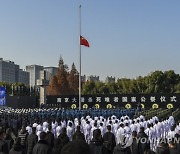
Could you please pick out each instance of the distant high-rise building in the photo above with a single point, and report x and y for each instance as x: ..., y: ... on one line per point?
x: 16, y: 67
x: 7, y: 71
x: 34, y: 71
x: 93, y: 78
x: 50, y: 71
x: 83, y: 78
x: 24, y: 77
x: 110, y: 79
x: 10, y: 72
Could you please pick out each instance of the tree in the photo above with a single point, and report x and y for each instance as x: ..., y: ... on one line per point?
x: 59, y: 84
x: 112, y: 87
x: 73, y: 78
x: 177, y: 88
x: 172, y: 79
x: 126, y: 85
x: 88, y: 88
x: 62, y: 73
x: 101, y: 88
x: 52, y: 89
x: 155, y: 82
x: 119, y: 86
x: 67, y: 82
x: 141, y: 86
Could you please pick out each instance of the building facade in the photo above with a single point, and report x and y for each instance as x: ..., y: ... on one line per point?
x: 50, y: 71
x: 34, y: 72
x: 23, y: 77
x: 110, y: 79
x: 83, y: 78
x: 93, y: 78
x: 10, y: 72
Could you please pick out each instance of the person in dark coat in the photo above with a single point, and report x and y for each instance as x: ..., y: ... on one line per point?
x: 3, y: 144
x: 4, y: 123
x: 56, y: 148
x: 8, y: 138
x: 96, y: 145
x: 15, y: 125
x: 177, y: 139
x: 173, y: 148
x: 17, y: 148
x: 122, y: 147
x: 50, y: 136
x: 143, y: 144
x: 32, y: 139
x: 78, y: 135
x: 76, y: 147
x: 42, y: 146
x: 109, y: 139
x: 162, y: 147
x: 149, y: 152
x: 63, y: 139
x: 134, y: 145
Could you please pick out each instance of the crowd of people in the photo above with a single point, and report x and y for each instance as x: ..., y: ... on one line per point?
x: 42, y: 113
x: 59, y: 131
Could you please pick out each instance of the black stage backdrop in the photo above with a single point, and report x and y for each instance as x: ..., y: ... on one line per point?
x: 99, y: 101
x: 22, y: 101
x: 116, y: 101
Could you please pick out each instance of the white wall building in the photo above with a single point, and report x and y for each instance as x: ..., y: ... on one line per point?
x: 34, y: 71
x: 110, y: 79
x: 93, y: 78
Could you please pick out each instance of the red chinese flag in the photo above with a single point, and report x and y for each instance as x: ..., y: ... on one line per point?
x: 84, y: 42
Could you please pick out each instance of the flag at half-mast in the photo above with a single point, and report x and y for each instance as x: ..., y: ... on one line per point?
x: 84, y: 42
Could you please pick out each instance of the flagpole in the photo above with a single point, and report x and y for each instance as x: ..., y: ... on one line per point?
x: 79, y: 57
